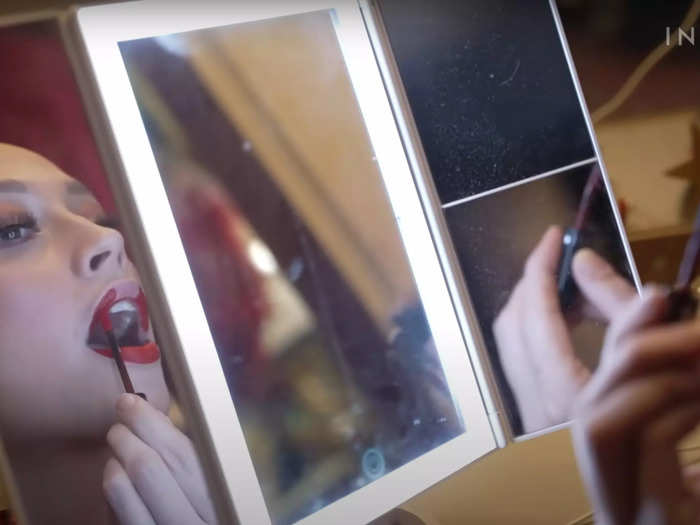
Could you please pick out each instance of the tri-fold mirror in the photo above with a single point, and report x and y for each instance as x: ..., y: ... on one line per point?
x: 330, y: 205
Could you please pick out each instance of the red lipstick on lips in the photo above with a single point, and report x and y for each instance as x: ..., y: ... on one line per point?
x: 120, y: 329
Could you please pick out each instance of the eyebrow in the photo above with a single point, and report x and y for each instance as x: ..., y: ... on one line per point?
x: 12, y: 186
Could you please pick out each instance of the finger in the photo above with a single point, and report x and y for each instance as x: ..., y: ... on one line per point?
x: 544, y: 259
x: 539, y: 290
x: 560, y: 371
x: 122, y: 496
x: 672, y: 426
x: 691, y: 473
x: 660, y: 473
x: 691, y: 479
x: 156, y: 430
x: 151, y: 478
x: 517, y: 363
x: 603, y: 288
x: 629, y: 408
x: 541, y: 311
x: 642, y: 312
x: 674, y: 346
x: 534, y: 342
x: 609, y: 466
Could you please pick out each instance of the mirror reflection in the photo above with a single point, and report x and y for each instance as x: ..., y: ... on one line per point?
x: 298, y: 262
x: 296, y: 255
x: 74, y: 449
x: 546, y: 268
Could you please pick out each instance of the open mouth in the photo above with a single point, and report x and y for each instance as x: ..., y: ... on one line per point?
x: 123, y: 310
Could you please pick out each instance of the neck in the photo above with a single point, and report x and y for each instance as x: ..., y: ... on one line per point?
x: 61, y: 483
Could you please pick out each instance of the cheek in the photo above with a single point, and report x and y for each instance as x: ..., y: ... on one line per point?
x: 40, y: 353
x: 37, y: 311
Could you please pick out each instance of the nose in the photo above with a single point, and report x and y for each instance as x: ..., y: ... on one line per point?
x: 100, y: 251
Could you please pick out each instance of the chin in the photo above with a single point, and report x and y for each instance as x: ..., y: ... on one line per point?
x: 159, y: 398
x: 149, y: 380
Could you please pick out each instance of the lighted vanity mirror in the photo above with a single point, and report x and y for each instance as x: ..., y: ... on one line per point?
x: 331, y: 210
x: 302, y: 303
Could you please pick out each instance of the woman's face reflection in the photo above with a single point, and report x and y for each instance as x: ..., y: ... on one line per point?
x: 56, y: 263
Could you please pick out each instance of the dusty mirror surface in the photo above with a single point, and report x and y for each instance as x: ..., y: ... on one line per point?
x: 296, y: 254
x: 505, y: 136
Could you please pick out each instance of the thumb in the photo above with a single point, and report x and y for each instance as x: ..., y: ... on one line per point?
x: 605, y: 290
x: 544, y: 257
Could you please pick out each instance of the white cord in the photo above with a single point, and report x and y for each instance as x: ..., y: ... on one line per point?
x: 646, y: 66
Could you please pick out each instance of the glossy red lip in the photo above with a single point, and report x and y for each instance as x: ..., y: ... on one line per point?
x: 142, y: 355
x: 142, y: 350
x: 124, y: 291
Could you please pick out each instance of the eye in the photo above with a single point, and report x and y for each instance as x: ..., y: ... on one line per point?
x: 15, y: 230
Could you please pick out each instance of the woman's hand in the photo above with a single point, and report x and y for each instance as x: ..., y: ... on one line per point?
x: 644, y: 397
x: 154, y: 476
x: 533, y: 335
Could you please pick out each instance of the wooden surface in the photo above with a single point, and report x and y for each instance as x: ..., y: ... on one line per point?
x: 535, y: 481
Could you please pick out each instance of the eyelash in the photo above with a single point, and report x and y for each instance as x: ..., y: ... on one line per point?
x: 11, y: 228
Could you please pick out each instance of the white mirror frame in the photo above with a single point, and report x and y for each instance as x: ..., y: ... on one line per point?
x: 190, y: 342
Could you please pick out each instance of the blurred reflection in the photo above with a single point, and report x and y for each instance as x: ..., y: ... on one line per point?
x: 546, y: 269
x: 533, y: 332
x: 295, y: 253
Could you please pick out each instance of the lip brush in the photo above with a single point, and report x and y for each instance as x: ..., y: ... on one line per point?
x: 117, y: 354
x: 683, y: 302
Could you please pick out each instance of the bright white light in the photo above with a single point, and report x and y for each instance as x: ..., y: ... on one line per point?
x: 261, y: 257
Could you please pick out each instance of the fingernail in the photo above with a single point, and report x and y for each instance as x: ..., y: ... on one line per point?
x: 125, y: 402
x: 551, y: 230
